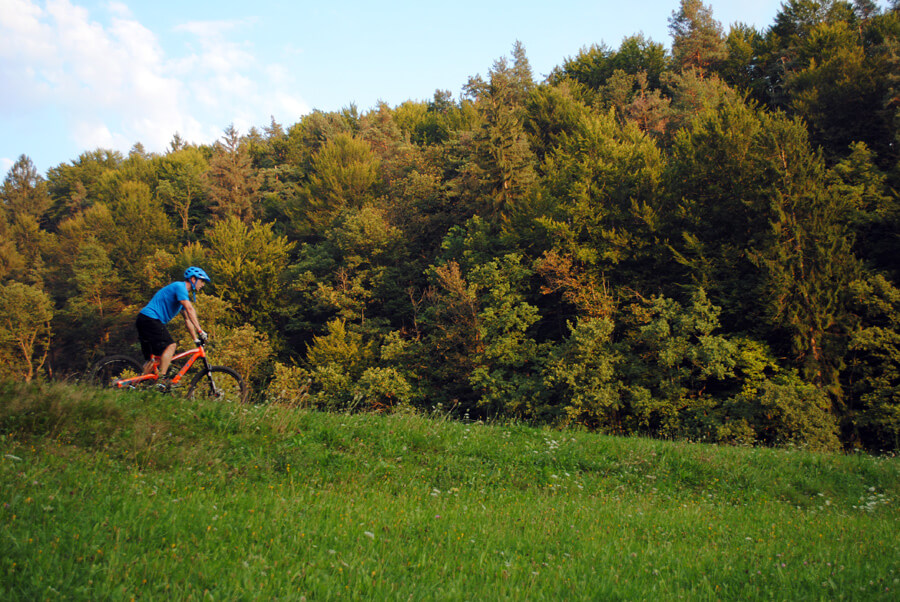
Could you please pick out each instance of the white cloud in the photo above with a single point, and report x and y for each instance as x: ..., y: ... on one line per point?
x: 119, y: 9
x: 96, y: 135
x: 210, y: 30
x: 25, y: 45
x: 290, y: 106
x: 115, y: 85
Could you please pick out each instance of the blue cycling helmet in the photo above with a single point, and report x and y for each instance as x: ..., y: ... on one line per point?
x: 194, y: 271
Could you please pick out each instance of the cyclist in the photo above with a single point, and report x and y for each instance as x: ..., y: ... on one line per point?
x: 165, y: 305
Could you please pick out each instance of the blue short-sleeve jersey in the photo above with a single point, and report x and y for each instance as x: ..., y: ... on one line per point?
x: 166, y: 303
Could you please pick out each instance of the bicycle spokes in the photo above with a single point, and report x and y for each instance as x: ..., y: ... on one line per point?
x: 219, y: 383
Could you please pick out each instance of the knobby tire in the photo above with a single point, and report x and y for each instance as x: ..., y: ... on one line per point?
x: 229, y: 386
x: 112, y: 368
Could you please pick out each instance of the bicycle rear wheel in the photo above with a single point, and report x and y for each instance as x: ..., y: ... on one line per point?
x: 113, y: 368
x: 219, y: 383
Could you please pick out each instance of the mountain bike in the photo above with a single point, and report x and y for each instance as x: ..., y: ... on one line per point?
x: 123, y: 372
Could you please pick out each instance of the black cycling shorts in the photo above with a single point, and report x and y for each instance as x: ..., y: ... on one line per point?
x: 153, y: 335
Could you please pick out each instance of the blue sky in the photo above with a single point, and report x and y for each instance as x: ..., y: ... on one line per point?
x: 77, y: 75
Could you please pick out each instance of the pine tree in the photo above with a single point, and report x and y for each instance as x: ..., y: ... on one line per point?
x: 697, y: 40
x: 24, y: 191
x: 503, y: 160
x: 232, y: 184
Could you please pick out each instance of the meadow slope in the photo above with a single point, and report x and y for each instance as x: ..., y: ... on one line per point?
x: 143, y: 496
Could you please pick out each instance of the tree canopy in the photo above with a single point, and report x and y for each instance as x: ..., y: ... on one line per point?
x: 697, y: 243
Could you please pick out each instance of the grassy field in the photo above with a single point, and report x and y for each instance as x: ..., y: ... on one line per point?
x: 108, y: 496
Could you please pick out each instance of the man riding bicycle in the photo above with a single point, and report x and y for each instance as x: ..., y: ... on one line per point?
x: 166, y: 304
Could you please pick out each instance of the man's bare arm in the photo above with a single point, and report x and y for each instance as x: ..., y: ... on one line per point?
x: 190, y: 319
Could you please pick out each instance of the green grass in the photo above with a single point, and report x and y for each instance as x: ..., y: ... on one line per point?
x: 109, y: 496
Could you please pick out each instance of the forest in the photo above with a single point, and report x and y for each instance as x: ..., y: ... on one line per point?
x: 697, y: 241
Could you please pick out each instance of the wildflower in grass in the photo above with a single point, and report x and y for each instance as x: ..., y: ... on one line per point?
x: 369, y: 534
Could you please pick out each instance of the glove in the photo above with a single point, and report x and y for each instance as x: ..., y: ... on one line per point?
x: 202, y: 338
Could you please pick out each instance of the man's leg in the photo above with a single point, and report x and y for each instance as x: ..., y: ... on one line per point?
x: 165, y: 359
x: 146, y: 343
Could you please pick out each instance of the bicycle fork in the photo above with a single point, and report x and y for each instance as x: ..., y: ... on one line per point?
x: 212, y: 383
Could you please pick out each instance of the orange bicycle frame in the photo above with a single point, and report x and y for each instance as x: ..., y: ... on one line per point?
x: 192, y: 354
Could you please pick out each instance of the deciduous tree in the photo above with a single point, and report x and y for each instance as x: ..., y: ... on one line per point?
x: 247, y: 263
x: 25, y: 334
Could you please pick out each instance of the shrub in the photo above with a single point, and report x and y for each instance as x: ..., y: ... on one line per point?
x: 873, y: 371
x: 246, y: 350
x: 289, y: 385
x: 783, y: 411
x: 382, y: 388
x: 582, y: 371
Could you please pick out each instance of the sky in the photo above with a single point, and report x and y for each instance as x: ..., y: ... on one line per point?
x: 78, y: 75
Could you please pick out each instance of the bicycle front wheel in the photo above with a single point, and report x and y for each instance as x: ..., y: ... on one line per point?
x: 219, y: 383
x: 108, y: 371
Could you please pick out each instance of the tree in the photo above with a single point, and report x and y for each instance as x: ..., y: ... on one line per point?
x: 452, y: 336
x: 784, y: 410
x: 231, y: 182
x: 697, y: 41
x: 591, y: 67
x: 638, y: 54
x: 24, y: 200
x: 11, y: 262
x: 552, y: 114
x: 601, y: 190
x: 797, y: 18
x: 691, y: 93
x: 25, y: 314
x: 181, y: 175
x: 506, y: 372
x: 436, y: 121
x: 24, y: 191
x: 838, y: 90
x: 177, y: 143
x: 583, y: 370
x: 247, y: 263
x: 873, y: 370
x: 742, y: 69
x: 95, y: 279
x: 875, y: 217
x: 356, y: 273
x: 763, y: 230
x: 380, y: 130
x: 594, y: 66
x: 92, y: 318
x: 76, y: 186
x: 780, y: 52
x: 344, y: 173
x: 671, y: 358
x: 310, y: 134
x: 140, y: 226
x: 503, y: 162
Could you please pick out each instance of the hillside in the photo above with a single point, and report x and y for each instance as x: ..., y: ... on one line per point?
x: 118, y: 496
